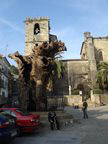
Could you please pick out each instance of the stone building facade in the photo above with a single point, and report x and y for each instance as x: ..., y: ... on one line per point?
x: 99, y: 46
x: 83, y: 71
x: 95, y: 50
x: 78, y: 71
x: 4, y: 79
x: 8, y: 87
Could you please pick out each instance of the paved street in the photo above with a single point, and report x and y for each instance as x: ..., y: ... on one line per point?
x: 56, y: 137
x: 95, y: 129
x: 91, y: 131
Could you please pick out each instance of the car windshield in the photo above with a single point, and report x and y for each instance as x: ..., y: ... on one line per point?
x: 8, y: 112
x: 23, y: 112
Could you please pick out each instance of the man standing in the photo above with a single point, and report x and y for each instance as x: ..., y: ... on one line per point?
x: 84, y: 109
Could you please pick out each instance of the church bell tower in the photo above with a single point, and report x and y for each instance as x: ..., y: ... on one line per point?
x: 36, y: 32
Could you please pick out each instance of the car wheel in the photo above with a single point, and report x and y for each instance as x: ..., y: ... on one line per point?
x: 19, y: 132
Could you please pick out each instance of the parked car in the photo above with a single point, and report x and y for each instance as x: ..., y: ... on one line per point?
x: 26, y: 122
x: 8, y: 129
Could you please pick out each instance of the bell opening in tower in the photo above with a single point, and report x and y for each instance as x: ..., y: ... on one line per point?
x: 36, y: 29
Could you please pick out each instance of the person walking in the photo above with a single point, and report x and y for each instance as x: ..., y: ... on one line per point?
x: 84, y: 109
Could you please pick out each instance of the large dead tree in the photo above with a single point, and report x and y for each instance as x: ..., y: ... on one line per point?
x: 37, y: 67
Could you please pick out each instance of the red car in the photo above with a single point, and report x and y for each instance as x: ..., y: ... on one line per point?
x: 26, y: 122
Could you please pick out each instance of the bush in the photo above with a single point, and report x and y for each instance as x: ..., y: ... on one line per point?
x: 97, y: 91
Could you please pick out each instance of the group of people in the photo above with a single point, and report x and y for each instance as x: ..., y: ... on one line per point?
x: 53, y: 121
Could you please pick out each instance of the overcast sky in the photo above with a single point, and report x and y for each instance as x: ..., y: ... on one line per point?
x: 69, y: 19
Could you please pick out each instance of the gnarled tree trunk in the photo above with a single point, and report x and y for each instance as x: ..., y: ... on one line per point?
x: 37, y: 67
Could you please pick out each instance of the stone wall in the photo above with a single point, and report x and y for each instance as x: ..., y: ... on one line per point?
x: 104, y: 99
x: 73, y: 100
x: 95, y: 50
x: 95, y: 99
x: 99, y: 99
x: 101, y: 45
x: 77, y: 72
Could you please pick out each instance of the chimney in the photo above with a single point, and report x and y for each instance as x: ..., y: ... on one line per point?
x: 86, y: 35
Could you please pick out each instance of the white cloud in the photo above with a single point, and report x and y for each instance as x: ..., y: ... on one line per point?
x: 11, y: 25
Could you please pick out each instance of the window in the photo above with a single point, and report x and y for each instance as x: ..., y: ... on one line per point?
x: 10, y: 112
x: 3, y: 94
x: 36, y: 29
x: 24, y: 113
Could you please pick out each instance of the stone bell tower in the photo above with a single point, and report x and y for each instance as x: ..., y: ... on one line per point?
x: 36, y: 32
